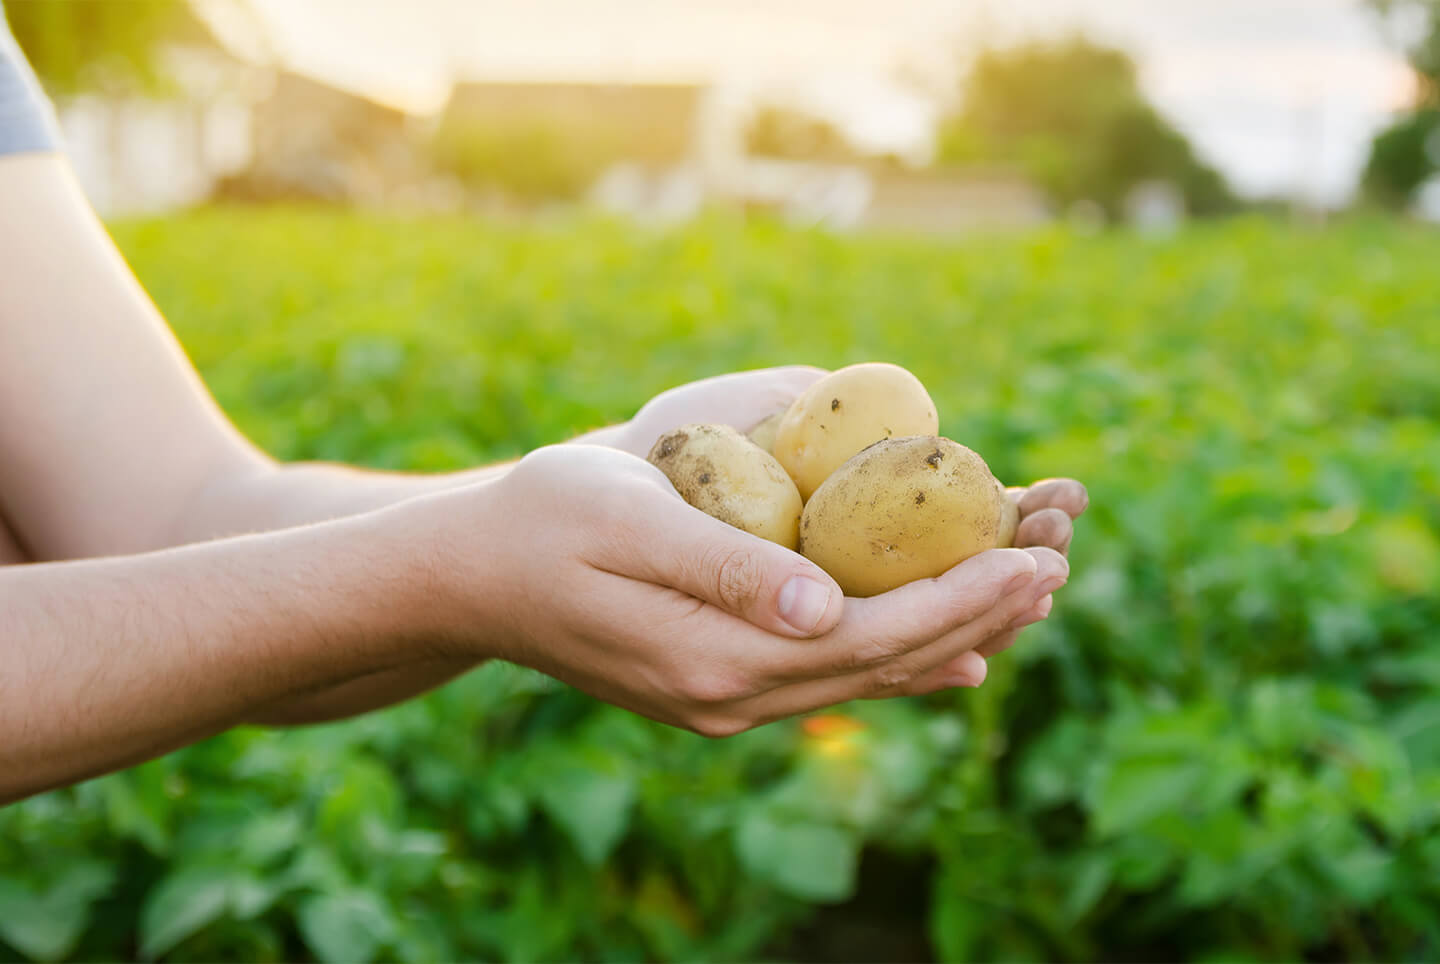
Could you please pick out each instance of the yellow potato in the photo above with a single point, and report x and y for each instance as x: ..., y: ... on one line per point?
x: 763, y: 434
x: 903, y: 509
x: 724, y: 474
x: 1009, y: 519
x: 844, y: 412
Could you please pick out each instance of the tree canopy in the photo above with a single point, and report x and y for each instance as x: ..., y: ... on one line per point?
x: 84, y: 46
x: 1071, y: 116
x: 1406, y: 155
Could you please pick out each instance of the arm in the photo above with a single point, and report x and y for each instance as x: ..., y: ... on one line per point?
x: 113, y: 446
x: 581, y: 562
x: 107, y: 662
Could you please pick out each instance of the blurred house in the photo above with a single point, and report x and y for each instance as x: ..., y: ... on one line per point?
x: 656, y: 124
x: 953, y: 201
x: 135, y: 153
x: 635, y: 148
x: 655, y: 152
x: 317, y: 142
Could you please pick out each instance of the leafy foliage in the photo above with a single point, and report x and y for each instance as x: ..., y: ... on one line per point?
x: 1402, y: 158
x: 1406, y: 154
x: 530, y: 161
x: 1072, y: 117
x: 1225, y: 744
x: 80, y: 46
x: 1417, y: 24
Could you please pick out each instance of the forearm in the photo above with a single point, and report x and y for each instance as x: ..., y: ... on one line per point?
x: 275, y: 496
x: 271, y: 496
x: 108, y: 662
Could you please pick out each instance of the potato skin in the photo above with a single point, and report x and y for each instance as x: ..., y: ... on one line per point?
x: 763, y: 434
x: 844, y: 412
x: 724, y: 474
x: 901, y: 510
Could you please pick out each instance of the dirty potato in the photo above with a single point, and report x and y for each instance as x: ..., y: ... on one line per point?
x: 844, y: 412
x: 901, y: 510
x: 763, y: 434
x: 723, y: 474
x: 1009, y: 518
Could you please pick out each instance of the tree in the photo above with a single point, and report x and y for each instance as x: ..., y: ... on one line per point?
x: 1415, y: 28
x: 1071, y: 117
x: 76, y: 46
x: 1406, y: 155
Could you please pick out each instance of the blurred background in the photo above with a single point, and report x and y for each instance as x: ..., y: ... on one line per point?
x: 1186, y: 253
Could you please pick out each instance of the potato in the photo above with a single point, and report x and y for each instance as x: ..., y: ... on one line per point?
x: 901, y: 510
x: 844, y: 412
x: 763, y: 434
x: 1009, y: 519
x: 724, y: 474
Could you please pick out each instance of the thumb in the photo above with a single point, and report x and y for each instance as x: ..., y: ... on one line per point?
x: 763, y: 583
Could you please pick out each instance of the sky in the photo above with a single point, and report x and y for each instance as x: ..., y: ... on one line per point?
x: 1282, y: 95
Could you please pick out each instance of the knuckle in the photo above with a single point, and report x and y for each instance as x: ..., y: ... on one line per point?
x: 887, y: 677
x: 737, y: 575
x: 872, y: 653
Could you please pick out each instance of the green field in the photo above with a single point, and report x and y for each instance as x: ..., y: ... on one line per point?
x: 1224, y: 745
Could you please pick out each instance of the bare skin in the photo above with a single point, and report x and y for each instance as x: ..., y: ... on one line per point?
x: 162, y: 580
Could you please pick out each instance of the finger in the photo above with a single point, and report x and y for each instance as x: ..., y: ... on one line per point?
x: 892, y: 676
x: 881, y: 628
x: 968, y: 670
x: 1067, y: 495
x: 998, y: 643
x: 1047, y: 527
x: 1005, y: 640
x: 1052, y: 573
x: 669, y: 543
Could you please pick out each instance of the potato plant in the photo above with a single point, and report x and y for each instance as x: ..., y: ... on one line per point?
x: 1224, y: 744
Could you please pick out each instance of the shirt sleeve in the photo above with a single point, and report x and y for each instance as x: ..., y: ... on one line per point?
x: 27, y: 121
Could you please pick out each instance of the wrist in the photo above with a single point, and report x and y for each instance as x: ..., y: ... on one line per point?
x: 440, y: 571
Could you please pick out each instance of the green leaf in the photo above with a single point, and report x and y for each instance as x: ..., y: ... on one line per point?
x: 806, y: 860
x: 1134, y: 790
x: 250, y: 896
x: 180, y: 906
x: 46, y: 927
x: 268, y: 836
x: 591, y: 805
x: 1088, y: 881
x: 344, y: 928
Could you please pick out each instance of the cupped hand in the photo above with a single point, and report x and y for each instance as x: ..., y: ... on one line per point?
x: 741, y: 400
x: 584, y: 563
x: 1048, y: 510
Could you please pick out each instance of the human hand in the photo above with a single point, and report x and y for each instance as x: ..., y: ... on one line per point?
x: 741, y: 400
x: 1048, y: 510
x: 585, y: 564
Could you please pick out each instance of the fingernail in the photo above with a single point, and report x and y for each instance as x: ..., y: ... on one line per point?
x: 802, y: 603
x: 1019, y: 582
x: 969, y: 682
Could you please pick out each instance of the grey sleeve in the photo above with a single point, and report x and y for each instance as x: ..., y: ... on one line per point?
x: 27, y: 121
